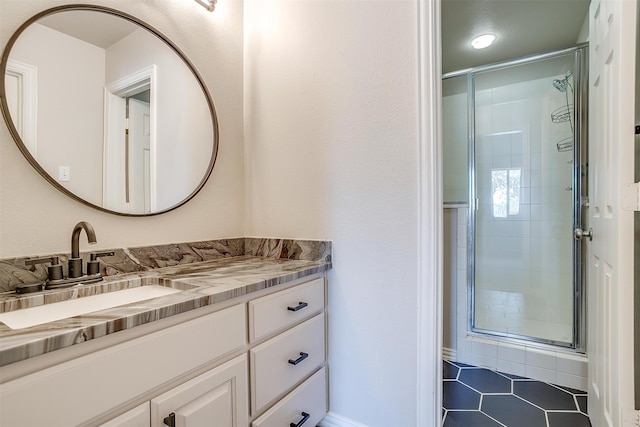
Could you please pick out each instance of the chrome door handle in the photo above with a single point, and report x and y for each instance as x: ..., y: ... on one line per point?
x: 579, y: 233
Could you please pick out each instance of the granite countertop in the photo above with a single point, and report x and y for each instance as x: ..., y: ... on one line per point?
x: 202, y: 284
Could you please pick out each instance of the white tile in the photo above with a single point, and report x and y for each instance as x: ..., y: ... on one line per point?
x: 461, y: 262
x: 511, y: 367
x: 461, y: 321
x: 462, y: 236
x: 541, y: 374
x: 484, y: 362
x: 511, y: 353
x: 463, y: 349
x: 461, y: 281
x: 484, y: 348
x: 573, y: 381
x: 572, y: 365
x: 540, y: 358
x: 462, y: 216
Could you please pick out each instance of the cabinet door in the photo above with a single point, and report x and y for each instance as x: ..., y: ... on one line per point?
x: 217, y: 397
x: 136, y: 417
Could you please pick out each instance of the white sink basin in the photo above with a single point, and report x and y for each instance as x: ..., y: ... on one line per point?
x: 34, y: 316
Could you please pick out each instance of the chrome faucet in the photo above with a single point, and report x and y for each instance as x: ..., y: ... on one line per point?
x: 75, y: 262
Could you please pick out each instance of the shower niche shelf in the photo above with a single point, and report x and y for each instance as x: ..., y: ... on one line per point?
x: 562, y: 114
x: 565, y: 145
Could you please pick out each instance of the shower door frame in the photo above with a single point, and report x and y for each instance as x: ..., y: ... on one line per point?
x: 579, y: 193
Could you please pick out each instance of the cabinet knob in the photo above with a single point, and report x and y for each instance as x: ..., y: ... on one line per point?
x: 299, y: 359
x: 304, y: 419
x: 300, y: 306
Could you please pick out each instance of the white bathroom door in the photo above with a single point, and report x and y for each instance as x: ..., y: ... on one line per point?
x: 610, y: 253
x: 139, y: 156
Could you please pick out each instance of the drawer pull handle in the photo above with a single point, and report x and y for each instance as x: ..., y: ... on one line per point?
x: 304, y: 419
x: 299, y: 359
x: 170, y: 420
x: 300, y: 306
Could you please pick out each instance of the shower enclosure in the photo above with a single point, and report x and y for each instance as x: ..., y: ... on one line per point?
x: 513, y: 149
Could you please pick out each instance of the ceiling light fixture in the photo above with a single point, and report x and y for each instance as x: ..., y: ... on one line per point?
x: 208, y: 4
x: 483, y: 40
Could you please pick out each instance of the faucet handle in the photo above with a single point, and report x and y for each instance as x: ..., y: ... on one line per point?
x: 93, y: 265
x: 54, y: 271
x: 94, y: 256
x: 51, y: 259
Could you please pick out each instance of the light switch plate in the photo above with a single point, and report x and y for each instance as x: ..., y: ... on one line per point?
x: 64, y: 173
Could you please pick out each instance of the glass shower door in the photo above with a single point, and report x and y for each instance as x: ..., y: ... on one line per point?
x: 523, y: 184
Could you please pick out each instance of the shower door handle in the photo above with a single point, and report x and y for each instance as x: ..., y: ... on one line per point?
x: 579, y: 233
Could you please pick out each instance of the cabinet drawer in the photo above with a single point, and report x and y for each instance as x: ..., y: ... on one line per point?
x: 283, y: 361
x: 276, y: 311
x: 310, y: 398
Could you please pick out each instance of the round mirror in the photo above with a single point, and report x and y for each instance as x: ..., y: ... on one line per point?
x: 108, y: 110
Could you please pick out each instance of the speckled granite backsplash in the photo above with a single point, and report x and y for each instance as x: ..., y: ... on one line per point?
x: 13, y: 271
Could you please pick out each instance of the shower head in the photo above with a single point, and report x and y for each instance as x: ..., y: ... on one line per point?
x: 561, y: 85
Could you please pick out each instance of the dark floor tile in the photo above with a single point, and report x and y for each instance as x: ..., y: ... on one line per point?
x: 458, y: 396
x: 566, y: 419
x: 544, y: 395
x: 582, y: 403
x: 462, y: 365
x: 449, y: 370
x: 512, y: 411
x: 485, y: 381
x: 571, y: 390
x: 468, y: 419
x: 514, y: 377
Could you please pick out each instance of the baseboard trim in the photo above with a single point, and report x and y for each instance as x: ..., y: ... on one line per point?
x: 334, y: 420
x: 449, y: 354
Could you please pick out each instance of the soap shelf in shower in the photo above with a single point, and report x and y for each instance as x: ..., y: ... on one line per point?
x: 562, y: 114
x: 565, y: 145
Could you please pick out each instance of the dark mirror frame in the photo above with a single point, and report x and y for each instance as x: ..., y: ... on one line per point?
x: 25, y: 151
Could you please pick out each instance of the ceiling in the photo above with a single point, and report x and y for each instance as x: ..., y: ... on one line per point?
x: 99, y: 29
x: 522, y: 27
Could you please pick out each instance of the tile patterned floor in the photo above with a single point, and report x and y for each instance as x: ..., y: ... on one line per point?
x: 478, y: 397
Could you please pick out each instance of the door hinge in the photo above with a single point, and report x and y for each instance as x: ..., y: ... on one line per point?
x: 630, y: 197
x: 630, y: 418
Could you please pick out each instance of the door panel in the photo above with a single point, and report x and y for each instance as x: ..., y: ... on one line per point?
x: 610, y: 269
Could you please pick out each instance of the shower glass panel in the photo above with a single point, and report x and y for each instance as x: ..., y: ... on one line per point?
x: 522, y: 168
x: 455, y: 138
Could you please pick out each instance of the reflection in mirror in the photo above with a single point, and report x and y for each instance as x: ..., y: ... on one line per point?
x: 108, y: 110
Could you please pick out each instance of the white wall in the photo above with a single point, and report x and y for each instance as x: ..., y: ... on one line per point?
x: 36, y: 218
x: 69, y: 87
x: 331, y: 118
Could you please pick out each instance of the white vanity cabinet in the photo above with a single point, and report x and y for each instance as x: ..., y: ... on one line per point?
x: 86, y: 389
x: 258, y: 360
